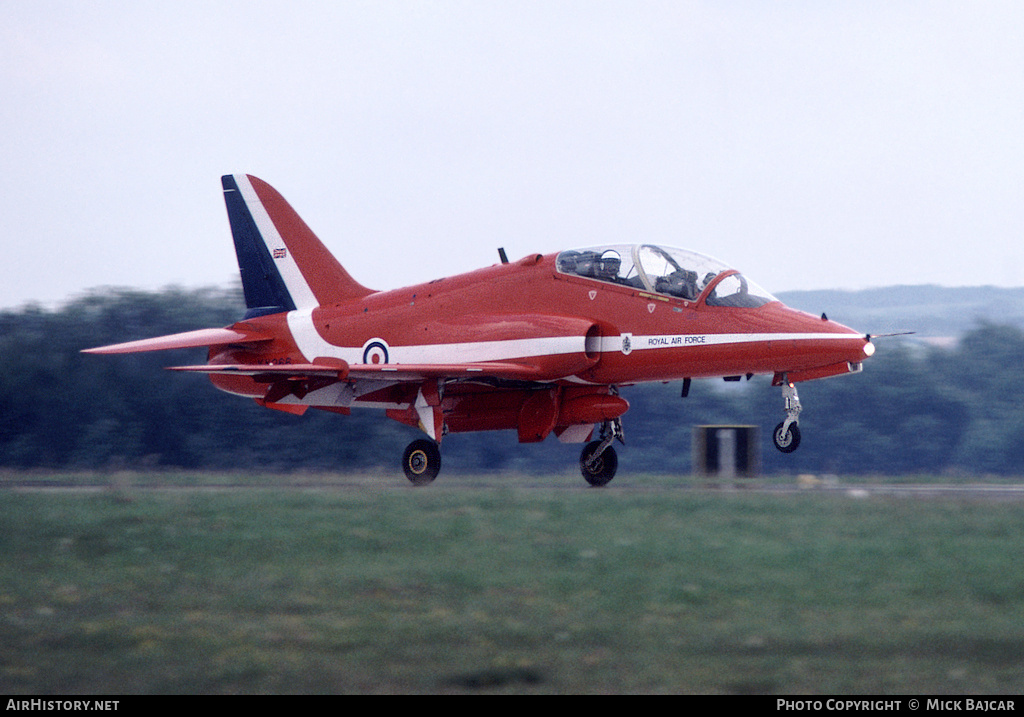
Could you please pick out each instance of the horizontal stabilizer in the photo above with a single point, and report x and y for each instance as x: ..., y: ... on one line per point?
x: 186, y: 340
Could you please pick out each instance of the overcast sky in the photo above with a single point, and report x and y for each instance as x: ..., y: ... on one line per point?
x: 809, y: 144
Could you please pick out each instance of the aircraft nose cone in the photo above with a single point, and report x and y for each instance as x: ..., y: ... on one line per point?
x: 864, y: 350
x: 820, y: 347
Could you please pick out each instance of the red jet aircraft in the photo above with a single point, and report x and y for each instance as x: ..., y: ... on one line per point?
x: 538, y: 346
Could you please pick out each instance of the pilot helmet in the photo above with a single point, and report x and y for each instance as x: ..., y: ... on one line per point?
x: 610, y: 263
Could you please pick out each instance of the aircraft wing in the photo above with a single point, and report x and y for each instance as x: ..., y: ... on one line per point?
x: 385, y: 372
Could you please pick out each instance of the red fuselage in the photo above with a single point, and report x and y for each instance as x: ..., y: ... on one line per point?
x: 584, y: 334
x: 539, y: 346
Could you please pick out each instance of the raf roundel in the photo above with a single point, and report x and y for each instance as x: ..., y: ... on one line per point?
x: 375, y: 351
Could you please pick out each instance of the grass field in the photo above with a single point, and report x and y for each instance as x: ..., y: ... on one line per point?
x: 498, y: 584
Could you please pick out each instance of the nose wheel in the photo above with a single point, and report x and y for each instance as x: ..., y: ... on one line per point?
x: 786, y: 435
x: 786, y: 438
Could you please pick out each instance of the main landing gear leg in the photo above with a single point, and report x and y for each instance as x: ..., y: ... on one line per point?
x: 598, y: 462
x: 787, y: 433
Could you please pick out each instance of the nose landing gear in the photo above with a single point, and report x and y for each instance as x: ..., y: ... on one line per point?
x: 786, y: 435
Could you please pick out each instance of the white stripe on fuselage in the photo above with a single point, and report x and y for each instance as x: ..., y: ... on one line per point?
x: 299, y: 289
x: 312, y: 345
x: 611, y: 344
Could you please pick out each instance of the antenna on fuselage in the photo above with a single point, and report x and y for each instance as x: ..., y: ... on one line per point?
x: 501, y: 255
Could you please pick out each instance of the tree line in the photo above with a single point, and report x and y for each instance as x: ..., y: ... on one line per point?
x: 914, y: 409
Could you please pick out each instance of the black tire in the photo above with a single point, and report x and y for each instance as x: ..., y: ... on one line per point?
x: 603, y: 469
x: 789, y: 441
x: 421, y: 461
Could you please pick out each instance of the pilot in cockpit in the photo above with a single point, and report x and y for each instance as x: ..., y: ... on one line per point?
x: 608, y: 266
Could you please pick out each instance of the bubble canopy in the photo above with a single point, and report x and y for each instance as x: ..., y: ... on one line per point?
x: 676, y: 272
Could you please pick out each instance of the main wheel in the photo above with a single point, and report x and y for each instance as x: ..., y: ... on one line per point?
x: 421, y: 461
x: 603, y: 469
x: 790, y: 440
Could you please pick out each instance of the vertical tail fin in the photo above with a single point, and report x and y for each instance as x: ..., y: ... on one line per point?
x: 284, y: 266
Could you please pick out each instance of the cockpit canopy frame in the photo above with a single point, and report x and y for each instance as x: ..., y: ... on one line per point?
x: 679, y: 273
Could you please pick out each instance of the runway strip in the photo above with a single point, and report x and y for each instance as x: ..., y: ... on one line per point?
x: 1010, y: 491
x: 622, y: 484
